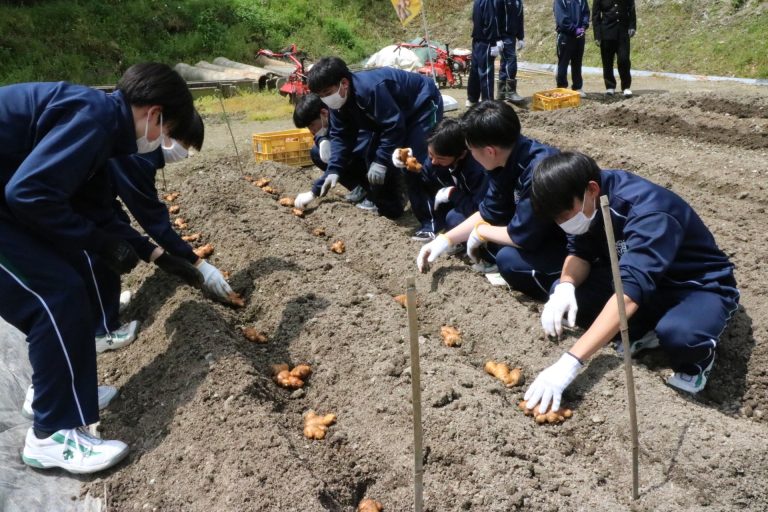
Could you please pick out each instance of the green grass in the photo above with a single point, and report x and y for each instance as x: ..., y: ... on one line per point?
x: 250, y: 106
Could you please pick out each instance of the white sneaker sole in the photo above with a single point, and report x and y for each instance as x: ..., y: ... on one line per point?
x: 44, y: 462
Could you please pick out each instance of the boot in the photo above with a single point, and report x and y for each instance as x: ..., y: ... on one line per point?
x: 511, y: 92
x: 501, y: 90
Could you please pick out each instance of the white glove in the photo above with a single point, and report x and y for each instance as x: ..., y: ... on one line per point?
x: 562, y: 301
x: 330, y: 181
x: 631, y: 32
x: 431, y: 251
x: 377, y: 173
x: 551, y: 382
x: 325, y: 150
x: 303, y: 199
x: 495, y: 50
x: 213, y: 281
x: 474, y: 242
x: 396, y: 158
x: 443, y: 195
x: 520, y: 44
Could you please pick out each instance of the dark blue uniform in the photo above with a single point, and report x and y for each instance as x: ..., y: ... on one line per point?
x: 534, y: 266
x: 485, y: 33
x: 53, y: 138
x: 570, y: 17
x: 399, y: 109
x: 471, y: 182
x: 352, y: 174
x: 511, y: 23
x: 670, y: 266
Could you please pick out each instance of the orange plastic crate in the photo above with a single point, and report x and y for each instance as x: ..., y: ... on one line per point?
x: 287, y: 146
x: 553, y: 99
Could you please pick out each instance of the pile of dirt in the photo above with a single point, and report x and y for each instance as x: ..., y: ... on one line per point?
x: 209, y: 429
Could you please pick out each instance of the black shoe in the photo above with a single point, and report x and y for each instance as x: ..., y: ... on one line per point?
x: 356, y: 195
x: 423, y: 236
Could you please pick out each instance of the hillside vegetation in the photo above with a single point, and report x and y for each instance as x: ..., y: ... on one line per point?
x: 94, y: 41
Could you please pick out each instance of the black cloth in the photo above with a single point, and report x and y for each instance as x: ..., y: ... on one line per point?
x: 619, y: 50
x: 611, y: 18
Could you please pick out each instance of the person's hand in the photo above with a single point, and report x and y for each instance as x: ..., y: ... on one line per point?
x: 631, y: 32
x: 330, y: 181
x: 474, y: 243
x: 551, y: 382
x: 597, y: 42
x: 520, y: 44
x: 303, y: 199
x: 431, y: 251
x: 443, y: 195
x: 213, y: 281
x: 562, y: 301
x: 396, y: 161
x: 376, y: 174
x: 580, y: 32
x: 324, y: 148
x: 180, y: 268
x: 500, y: 45
x: 119, y: 256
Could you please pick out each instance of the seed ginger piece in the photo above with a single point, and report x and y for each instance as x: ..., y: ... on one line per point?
x: 270, y: 190
x: 291, y: 379
x: 298, y: 212
x: 180, y: 223
x: 173, y: 210
x: 318, y: 231
x: 338, y: 247
x: 235, y: 299
x: 194, y: 237
x: 501, y: 371
x: 315, y: 427
x: 261, y: 182
x: 401, y: 299
x: 172, y: 196
x: 249, y: 178
x: 286, y: 201
x: 451, y: 336
x: 204, y: 251
x: 550, y: 416
x: 251, y: 334
x: 411, y: 164
x: 370, y: 505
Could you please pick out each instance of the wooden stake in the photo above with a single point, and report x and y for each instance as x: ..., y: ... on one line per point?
x: 619, y: 289
x: 413, y: 328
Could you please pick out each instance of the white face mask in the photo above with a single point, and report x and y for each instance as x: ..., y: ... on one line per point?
x: 146, y: 146
x: 335, y: 101
x: 579, y: 223
x: 175, y: 153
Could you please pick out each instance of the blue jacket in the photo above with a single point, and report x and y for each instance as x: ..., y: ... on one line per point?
x: 382, y: 101
x: 485, y: 21
x: 469, y: 178
x: 511, y: 19
x: 660, y: 240
x: 508, y: 201
x: 570, y: 15
x: 53, y: 138
x: 133, y: 181
x: 356, y: 166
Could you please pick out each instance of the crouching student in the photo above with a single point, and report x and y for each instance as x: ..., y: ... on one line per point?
x: 529, y: 251
x: 679, y: 288
x: 399, y: 109
x: 311, y: 113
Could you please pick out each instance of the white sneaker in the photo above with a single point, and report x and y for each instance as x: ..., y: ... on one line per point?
x: 74, y: 450
x: 125, y: 299
x: 469, y: 104
x: 627, y: 92
x: 610, y: 92
x: 646, y: 341
x: 106, y: 394
x: 485, y: 268
x: 691, y: 383
x: 581, y: 92
x: 117, y: 338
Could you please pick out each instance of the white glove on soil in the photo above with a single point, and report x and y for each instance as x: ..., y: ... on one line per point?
x: 213, y: 281
x: 562, y: 301
x: 396, y: 158
x: 431, y: 251
x: 303, y: 199
x: 325, y: 150
x: 443, y: 195
x: 551, y: 382
x: 520, y: 44
x: 330, y: 181
x: 474, y: 243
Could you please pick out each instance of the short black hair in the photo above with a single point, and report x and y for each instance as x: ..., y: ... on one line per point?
x: 326, y: 72
x: 153, y: 83
x: 491, y: 123
x: 307, y: 109
x: 194, y: 134
x: 559, y: 179
x: 447, y: 138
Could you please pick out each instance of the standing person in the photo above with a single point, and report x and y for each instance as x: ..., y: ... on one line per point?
x: 511, y: 23
x: 679, y: 288
x: 529, y: 251
x: 54, y: 137
x: 615, y: 23
x: 399, y: 109
x: 571, y: 23
x: 486, y: 41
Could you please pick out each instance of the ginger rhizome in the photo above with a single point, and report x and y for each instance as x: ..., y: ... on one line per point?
x: 297, y: 212
x: 318, y: 231
x: 194, y: 237
x: 236, y: 300
x: 261, y: 182
x: 174, y: 209
x: 172, y: 196
x: 451, y: 336
x: 550, y: 416
x: 270, y: 190
x: 291, y: 379
x: 180, y: 223
x: 338, y: 247
x: 286, y: 201
x: 315, y: 426
x: 251, y: 334
x: 501, y: 371
x: 204, y: 251
x: 370, y: 505
x: 401, y: 299
x: 411, y: 164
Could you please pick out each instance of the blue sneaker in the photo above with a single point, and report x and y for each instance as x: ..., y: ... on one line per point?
x: 423, y: 236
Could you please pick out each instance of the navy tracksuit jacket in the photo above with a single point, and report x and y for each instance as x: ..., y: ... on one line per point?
x: 471, y: 182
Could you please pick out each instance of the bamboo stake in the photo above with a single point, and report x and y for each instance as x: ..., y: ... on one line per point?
x: 619, y: 289
x: 413, y: 328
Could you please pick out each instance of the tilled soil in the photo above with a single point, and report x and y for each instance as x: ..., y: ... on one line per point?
x: 210, y: 431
